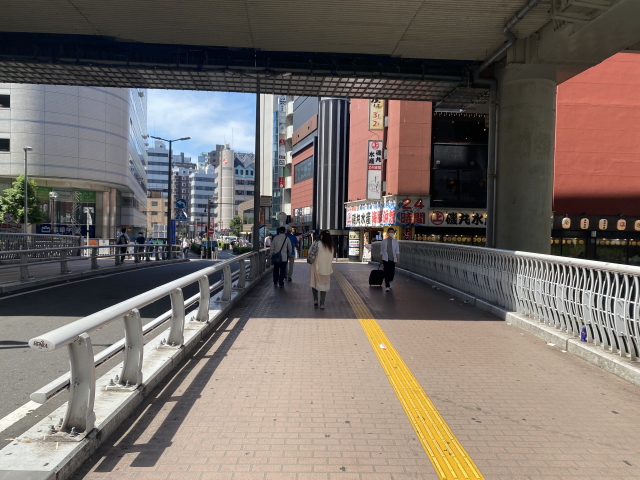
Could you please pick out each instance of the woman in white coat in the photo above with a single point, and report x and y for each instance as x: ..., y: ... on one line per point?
x: 321, y: 256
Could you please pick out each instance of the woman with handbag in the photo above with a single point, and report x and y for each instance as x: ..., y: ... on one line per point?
x: 320, y: 257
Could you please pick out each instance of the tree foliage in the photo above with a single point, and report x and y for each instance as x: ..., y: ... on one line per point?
x: 236, y: 225
x: 12, y: 201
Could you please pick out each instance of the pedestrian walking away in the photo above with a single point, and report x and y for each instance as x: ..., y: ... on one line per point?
x: 320, y: 258
x: 186, y: 245
x: 267, y: 241
x: 280, y: 251
x: 292, y: 258
x: 123, y: 239
x: 140, y: 240
x: 390, y: 253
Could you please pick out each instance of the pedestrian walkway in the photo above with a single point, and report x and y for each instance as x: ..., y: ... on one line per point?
x: 407, y: 384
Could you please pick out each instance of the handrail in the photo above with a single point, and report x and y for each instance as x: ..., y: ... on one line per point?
x: 599, y: 302
x: 69, y: 333
x: 76, y: 336
x: 140, y: 250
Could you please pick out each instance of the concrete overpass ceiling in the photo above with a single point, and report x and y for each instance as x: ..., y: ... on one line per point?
x: 424, y: 29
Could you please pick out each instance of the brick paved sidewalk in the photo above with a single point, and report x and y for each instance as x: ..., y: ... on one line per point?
x: 284, y: 391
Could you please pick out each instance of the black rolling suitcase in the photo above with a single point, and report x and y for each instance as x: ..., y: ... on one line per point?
x: 376, y: 277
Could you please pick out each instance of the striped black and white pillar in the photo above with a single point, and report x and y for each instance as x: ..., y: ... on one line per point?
x: 332, y: 163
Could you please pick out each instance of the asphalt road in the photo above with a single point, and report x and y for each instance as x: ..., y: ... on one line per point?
x: 23, y: 316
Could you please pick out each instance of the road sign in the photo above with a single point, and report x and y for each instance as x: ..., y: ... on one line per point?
x: 172, y: 233
x: 8, y: 217
x: 181, y: 203
x: 180, y: 215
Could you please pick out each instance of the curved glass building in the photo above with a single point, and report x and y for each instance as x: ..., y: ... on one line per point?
x: 89, y: 152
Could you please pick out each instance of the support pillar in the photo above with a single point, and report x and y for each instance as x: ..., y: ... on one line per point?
x: 526, y: 138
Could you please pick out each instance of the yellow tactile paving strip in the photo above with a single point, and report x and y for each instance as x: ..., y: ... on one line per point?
x: 447, y: 455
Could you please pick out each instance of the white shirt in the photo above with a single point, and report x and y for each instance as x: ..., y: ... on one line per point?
x: 394, y: 245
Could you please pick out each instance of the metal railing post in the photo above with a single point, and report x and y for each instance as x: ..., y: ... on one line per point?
x: 252, y: 268
x: 205, y: 297
x: 147, y: 252
x: 136, y: 254
x: 242, y: 279
x: 176, y: 333
x: 156, y: 251
x: 82, y: 387
x: 64, y: 268
x: 133, y: 349
x: 24, y: 270
x: 116, y: 250
x: 94, y: 259
x: 226, y: 284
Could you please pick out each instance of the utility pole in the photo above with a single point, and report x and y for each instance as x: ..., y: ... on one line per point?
x: 256, y: 169
x: 169, y: 176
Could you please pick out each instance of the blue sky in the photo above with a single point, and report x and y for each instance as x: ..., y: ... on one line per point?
x: 207, y: 117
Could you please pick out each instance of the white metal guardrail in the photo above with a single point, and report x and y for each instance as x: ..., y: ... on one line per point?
x: 39, y: 244
x: 63, y: 255
x: 76, y: 336
x: 597, y: 301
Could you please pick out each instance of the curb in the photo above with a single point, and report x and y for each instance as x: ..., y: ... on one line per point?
x: 29, y: 458
x: 62, y: 278
x: 609, y: 362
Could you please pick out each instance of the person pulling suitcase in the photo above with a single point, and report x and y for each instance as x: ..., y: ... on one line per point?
x: 390, y: 253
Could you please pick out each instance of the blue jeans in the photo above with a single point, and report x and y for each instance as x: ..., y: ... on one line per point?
x: 279, y: 272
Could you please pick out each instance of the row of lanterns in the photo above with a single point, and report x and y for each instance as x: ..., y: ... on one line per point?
x: 603, y: 224
x: 600, y: 241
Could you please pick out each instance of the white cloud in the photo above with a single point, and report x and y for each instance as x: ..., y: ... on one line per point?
x: 207, y: 117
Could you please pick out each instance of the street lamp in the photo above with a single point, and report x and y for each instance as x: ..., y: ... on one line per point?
x: 53, y: 196
x: 26, y: 189
x: 170, y: 175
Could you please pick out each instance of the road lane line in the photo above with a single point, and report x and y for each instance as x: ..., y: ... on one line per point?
x: 449, y: 458
x: 17, y: 415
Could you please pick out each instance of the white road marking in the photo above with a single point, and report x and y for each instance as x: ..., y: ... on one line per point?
x: 17, y: 415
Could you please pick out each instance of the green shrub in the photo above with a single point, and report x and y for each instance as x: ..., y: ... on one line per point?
x: 240, y: 250
x: 195, y: 248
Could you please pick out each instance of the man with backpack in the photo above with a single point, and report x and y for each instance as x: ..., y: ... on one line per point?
x: 123, y: 239
x: 280, y: 250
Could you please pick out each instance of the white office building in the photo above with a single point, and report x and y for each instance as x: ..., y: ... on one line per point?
x: 88, y: 151
x: 203, y: 186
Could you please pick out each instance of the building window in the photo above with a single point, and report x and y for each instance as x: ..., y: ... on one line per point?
x: 239, y: 192
x: 239, y: 182
x: 154, y: 213
x: 5, y: 145
x: 237, y: 172
x: 5, y: 102
x: 249, y: 192
x: 166, y: 204
x: 166, y: 214
x: 303, y: 170
x: 154, y: 204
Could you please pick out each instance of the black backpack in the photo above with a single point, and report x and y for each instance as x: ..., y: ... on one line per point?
x: 122, y: 239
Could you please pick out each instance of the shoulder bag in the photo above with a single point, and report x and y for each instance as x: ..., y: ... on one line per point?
x: 276, y: 259
x: 313, y: 253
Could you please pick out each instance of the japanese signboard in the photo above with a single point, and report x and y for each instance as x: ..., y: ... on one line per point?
x: 354, y: 244
x: 280, y: 182
x: 374, y: 169
x: 368, y: 214
x: 376, y: 114
x: 457, y: 218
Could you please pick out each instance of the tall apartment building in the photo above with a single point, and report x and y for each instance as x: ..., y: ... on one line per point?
x: 88, y: 149
x: 203, y: 184
x: 276, y: 127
